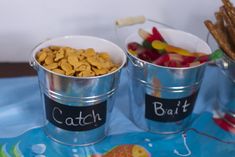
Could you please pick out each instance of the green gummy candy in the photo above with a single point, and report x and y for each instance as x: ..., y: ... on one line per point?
x: 217, y: 54
x: 147, y: 44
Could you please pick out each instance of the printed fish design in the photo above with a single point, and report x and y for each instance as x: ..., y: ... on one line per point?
x: 14, y: 152
x: 127, y: 150
x: 3, y: 152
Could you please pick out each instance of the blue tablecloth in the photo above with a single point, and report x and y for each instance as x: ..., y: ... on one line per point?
x: 21, y: 123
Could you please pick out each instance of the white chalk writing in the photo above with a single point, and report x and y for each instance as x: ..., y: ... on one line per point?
x: 80, y: 120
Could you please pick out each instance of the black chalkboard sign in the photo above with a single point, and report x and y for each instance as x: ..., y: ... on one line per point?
x: 169, y: 110
x: 75, y: 118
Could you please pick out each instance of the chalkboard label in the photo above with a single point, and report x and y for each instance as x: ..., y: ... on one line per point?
x: 169, y: 110
x: 75, y: 118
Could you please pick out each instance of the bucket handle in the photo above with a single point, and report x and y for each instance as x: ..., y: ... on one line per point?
x: 33, y: 63
x: 223, y: 64
x: 226, y: 66
x: 128, y: 21
x: 137, y: 63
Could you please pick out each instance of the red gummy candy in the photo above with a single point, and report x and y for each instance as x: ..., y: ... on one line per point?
x: 175, y: 57
x: 148, y: 55
x: 143, y: 56
x: 188, y: 59
x: 203, y: 59
x: 156, y: 35
x: 172, y: 64
x: 162, y: 59
x: 133, y: 46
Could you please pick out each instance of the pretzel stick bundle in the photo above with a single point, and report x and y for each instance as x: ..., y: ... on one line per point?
x: 223, y: 30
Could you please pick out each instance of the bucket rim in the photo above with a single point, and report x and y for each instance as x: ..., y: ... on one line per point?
x: 36, y: 63
x: 165, y: 67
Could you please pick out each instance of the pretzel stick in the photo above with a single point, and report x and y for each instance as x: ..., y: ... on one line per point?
x: 229, y: 10
x: 230, y: 16
x: 230, y: 28
x: 220, y: 38
x: 229, y: 5
x: 231, y: 36
x: 225, y: 16
x: 220, y: 20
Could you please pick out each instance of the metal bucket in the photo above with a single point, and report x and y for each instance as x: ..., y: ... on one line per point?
x: 77, y: 110
x: 163, y: 98
x: 226, y: 90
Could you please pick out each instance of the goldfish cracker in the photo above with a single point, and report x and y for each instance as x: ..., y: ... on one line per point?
x: 99, y: 71
x: 51, y: 66
x: 86, y: 73
x: 64, y: 60
x: 94, y: 62
x: 59, y: 56
x: 70, y: 72
x: 75, y: 62
x: 42, y: 56
x: 90, y: 52
x: 66, y: 67
x: 54, y: 48
x: 49, y: 59
x: 113, y: 69
x: 48, y: 50
x: 59, y: 71
x: 104, y: 55
x: 107, y: 65
x: 70, y: 53
x: 83, y: 66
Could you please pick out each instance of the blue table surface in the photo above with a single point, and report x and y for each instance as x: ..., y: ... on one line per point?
x: 21, y: 120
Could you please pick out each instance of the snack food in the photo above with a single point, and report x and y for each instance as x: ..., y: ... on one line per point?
x: 75, y: 62
x: 156, y: 50
x: 223, y: 30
